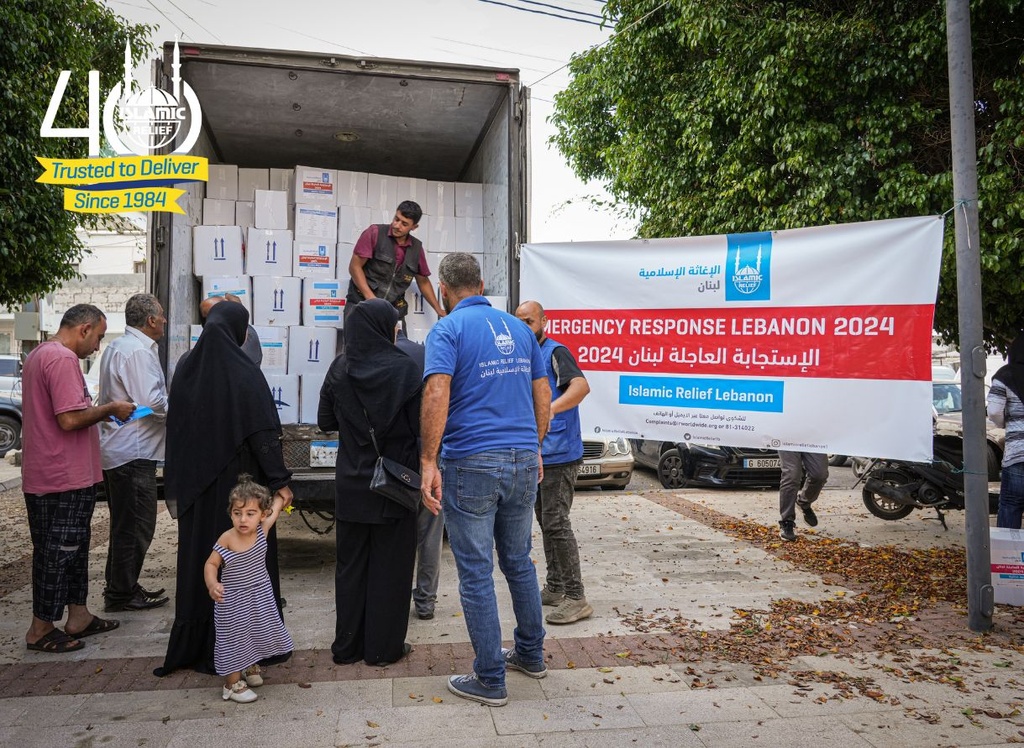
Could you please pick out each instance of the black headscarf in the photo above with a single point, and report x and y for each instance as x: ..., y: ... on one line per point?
x: 1012, y: 374
x: 218, y: 398
x: 383, y: 377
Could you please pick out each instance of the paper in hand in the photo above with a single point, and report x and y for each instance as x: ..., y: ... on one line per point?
x: 141, y: 411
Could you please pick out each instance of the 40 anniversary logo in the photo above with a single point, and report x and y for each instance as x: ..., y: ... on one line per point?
x: 135, y: 124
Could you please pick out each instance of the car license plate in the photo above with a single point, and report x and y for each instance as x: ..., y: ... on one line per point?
x: 763, y: 462
x: 590, y: 470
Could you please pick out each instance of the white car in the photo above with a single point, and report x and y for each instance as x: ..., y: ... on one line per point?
x: 607, y: 462
x: 10, y: 375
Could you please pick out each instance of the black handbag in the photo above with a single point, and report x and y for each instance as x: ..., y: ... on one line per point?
x: 394, y: 480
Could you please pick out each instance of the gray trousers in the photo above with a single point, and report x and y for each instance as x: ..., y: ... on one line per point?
x: 429, y: 536
x: 554, y: 502
x: 806, y: 468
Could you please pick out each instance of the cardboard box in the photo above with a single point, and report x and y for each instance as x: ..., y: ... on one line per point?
x: 271, y: 210
x: 245, y: 215
x: 218, y: 212
x: 323, y: 302
x: 412, y: 188
x: 283, y: 180
x: 274, y: 344
x: 352, y: 188
x: 268, y: 252
x: 239, y: 285
x: 440, y: 199
x: 250, y: 180
x: 311, y: 349
x: 194, y: 331
x: 222, y: 182
x: 1007, y: 565
x: 469, y: 200
x: 312, y: 258
x: 344, y: 252
x: 310, y: 385
x: 382, y: 193
x: 284, y: 388
x: 352, y: 221
x: 313, y: 185
x: 441, y: 239
x: 318, y: 222
x: 469, y: 235
x: 276, y: 301
x: 217, y: 250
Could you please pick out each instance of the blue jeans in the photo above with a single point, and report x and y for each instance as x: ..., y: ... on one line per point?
x: 1011, y: 496
x: 488, y: 503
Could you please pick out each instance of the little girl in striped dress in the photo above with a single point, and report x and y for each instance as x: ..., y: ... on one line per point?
x: 246, y: 616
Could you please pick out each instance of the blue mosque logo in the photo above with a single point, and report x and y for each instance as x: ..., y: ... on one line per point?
x: 749, y: 263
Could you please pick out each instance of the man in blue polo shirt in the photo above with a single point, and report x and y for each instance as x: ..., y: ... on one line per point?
x: 486, y: 393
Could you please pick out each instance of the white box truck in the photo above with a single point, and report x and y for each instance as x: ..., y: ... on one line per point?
x: 420, y: 122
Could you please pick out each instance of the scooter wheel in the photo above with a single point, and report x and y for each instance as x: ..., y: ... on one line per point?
x: 882, y: 507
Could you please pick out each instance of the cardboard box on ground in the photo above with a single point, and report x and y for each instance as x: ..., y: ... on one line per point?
x: 285, y: 254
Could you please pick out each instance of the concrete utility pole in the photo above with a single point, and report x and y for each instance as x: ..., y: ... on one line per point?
x: 968, y: 289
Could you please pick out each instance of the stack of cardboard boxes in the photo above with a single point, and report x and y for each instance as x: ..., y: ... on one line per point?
x: 281, y: 240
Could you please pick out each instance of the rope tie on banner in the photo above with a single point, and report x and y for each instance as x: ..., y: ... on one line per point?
x: 962, y: 204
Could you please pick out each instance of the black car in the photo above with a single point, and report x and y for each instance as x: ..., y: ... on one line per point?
x: 10, y: 424
x: 681, y: 464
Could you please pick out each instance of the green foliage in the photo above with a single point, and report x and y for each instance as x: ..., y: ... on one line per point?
x: 38, y: 39
x: 718, y: 116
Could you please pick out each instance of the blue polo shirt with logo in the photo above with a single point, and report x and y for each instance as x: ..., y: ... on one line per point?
x: 492, y: 358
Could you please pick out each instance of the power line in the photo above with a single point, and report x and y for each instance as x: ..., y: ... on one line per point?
x: 542, y: 12
x: 564, y: 10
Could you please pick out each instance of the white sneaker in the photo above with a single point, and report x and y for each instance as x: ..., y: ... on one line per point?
x: 252, y: 676
x: 239, y: 692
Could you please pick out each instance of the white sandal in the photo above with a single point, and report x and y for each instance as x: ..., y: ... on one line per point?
x: 239, y: 692
x: 252, y: 676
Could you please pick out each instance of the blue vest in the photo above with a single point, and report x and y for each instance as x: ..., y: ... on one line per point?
x: 564, y: 440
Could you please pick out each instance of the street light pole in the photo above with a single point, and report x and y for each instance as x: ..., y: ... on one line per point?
x: 968, y: 286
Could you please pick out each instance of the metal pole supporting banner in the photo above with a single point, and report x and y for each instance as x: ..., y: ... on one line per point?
x: 968, y: 285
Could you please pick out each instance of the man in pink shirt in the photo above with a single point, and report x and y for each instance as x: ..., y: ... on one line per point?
x: 385, y: 260
x: 60, y: 470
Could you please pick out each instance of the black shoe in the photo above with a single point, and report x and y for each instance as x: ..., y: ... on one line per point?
x: 425, y: 615
x: 138, y: 602
x: 787, y: 529
x: 809, y: 516
x: 406, y: 649
x: 150, y: 594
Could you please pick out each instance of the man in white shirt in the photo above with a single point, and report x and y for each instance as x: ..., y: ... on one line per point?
x: 130, y: 370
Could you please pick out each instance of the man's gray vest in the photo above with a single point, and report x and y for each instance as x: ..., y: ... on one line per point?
x: 386, y: 279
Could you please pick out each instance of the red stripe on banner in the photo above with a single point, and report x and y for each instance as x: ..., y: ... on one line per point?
x: 885, y: 341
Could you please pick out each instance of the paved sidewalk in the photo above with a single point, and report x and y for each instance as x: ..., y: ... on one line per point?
x: 708, y: 631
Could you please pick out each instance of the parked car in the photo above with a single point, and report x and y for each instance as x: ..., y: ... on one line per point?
x: 607, y: 463
x: 10, y: 424
x: 681, y: 464
x: 942, y: 373
x: 10, y: 375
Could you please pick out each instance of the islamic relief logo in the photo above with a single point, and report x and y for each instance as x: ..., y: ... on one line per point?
x: 749, y: 260
x: 503, y: 341
x: 148, y: 120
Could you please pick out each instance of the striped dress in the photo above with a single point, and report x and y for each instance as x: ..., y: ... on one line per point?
x: 248, y: 623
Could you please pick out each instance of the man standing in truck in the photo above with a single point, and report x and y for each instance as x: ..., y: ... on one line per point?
x: 385, y: 260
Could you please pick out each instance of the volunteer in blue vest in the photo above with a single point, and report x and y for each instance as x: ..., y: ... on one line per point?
x: 562, y: 455
x: 385, y: 260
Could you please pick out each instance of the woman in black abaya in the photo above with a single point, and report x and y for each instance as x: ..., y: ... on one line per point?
x: 372, y: 382
x: 221, y: 422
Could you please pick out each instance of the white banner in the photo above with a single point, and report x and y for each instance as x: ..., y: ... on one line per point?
x: 815, y: 339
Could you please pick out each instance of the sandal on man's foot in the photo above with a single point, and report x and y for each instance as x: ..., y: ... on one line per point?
x: 55, y: 642
x: 96, y: 626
